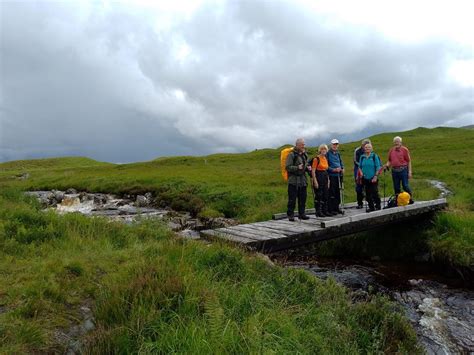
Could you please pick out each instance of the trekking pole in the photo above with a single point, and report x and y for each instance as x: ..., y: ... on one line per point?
x: 341, y: 192
x: 384, y: 196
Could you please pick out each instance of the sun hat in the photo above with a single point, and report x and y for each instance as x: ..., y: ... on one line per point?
x: 334, y: 141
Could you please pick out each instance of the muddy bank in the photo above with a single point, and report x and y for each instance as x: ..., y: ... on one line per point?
x: 127, y: 209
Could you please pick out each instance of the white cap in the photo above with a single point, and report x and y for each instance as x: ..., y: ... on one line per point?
x: 334, y: 141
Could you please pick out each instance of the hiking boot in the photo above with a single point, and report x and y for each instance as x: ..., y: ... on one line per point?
x: 320, y: 214
x: 332, y: 213
x: 291, y: 218
x: 303, y: 217
x: 360, y: 207
x: 340, y: 212
x: 370, y: 210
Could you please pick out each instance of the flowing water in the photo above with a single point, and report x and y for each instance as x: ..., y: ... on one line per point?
x: 440, y: 307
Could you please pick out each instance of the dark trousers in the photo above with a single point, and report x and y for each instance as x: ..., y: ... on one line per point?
x: 322, y: 192
x: 372, y: 194
x: 296, y: 192
x: 359, y: 188
x: 334, y: 194
x: 400, y: 177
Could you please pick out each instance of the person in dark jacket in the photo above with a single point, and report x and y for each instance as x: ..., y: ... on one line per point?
x: 296, y: 166
x: 369, y: 168
x: 336, y: 172
x: 320, y: 181
x: 359, y: 188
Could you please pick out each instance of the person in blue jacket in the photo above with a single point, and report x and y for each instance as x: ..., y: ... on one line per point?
x: 359, y: 187
x: 369, y: 169
x: 336, y: 172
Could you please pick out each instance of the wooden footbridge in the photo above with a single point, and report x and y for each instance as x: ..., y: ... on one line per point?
x: 279, y: 233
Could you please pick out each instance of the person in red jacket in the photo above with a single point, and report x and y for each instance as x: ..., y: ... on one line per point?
x: 400, y: 161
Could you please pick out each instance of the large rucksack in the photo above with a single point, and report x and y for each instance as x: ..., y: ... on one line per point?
x: 283, y: 155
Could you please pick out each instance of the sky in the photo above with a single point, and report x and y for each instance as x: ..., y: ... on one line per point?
x: 125, y: 81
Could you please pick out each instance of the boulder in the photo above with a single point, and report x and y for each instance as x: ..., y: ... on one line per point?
x: 71, y: 191
x: 141, y: 201
x: 58, y: 195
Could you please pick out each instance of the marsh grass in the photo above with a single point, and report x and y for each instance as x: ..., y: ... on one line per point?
x: 154, y: 293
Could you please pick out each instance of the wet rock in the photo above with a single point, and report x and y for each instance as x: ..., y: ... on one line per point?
x: 174, y: 226
x: 189, y: 234
x: 149, y: 196
x: 219, y: 222
x: 100, y: 199
x: 58, y: 195
x: 141, y: 201
x: 71, y: 191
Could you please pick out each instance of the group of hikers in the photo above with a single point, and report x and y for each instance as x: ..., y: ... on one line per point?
x: 326, y: 171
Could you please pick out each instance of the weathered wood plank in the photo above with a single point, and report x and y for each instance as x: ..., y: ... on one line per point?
x: 245, y: 234
x: 212, y: 235
x: 274, y: 233
x: 279, y: 227
x: 296, y: 226
x: 255, y: 231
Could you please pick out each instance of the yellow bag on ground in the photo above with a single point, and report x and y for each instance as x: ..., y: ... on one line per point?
x: 403, y: 199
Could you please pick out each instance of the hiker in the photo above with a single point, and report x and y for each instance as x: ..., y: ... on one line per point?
x: 359, y: 187
x: 336, y: 172
x: 369, y: 169
x: 400, y: 161
x: 320, y: 181
x: 296, y: 165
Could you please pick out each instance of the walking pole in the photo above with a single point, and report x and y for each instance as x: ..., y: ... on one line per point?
x: 341, y: 192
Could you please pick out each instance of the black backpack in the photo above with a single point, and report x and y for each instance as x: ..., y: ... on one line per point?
x: 392, y: 202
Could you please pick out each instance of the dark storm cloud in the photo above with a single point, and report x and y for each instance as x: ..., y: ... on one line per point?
x: 104, y: 82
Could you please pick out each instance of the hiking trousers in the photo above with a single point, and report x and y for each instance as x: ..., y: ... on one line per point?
x: 322, y: 192
x: 372, y: 194
x: 400, y: 176
x: 296, y: 192
x: 334, y: 194
x: 359, y: 189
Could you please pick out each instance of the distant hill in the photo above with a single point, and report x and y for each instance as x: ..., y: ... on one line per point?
x: 468, y: 127
x: 51, y: 163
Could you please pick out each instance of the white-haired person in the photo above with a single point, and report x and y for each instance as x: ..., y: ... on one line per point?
x: 359, y: 188
x: 336, y: 172
x: 370, y: 167
x: 296, y: 166
x: 400, y: 161
x: 320, y: 181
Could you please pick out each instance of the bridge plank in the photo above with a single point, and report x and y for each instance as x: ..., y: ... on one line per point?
x: 248, y: 235
x: 212, y: 234
x: 259, y: 232
x: 274, y: 233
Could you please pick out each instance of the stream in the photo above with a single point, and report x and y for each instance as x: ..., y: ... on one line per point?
x: 440, y: 308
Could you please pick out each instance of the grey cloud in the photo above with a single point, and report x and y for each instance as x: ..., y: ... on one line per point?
x: 107, y: 84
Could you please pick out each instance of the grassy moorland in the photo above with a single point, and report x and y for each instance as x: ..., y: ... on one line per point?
x: 151, y: 292
x: 249, y: 186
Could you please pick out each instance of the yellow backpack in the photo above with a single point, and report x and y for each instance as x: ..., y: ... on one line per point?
x: 283, y: 155
x: 403, y: 199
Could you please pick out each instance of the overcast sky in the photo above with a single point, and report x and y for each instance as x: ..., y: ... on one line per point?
x: 134, y: 80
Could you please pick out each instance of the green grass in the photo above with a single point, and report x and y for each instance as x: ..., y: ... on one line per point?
x: 154, y: 293
x: 249, y: 186
x: 151, y: 292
